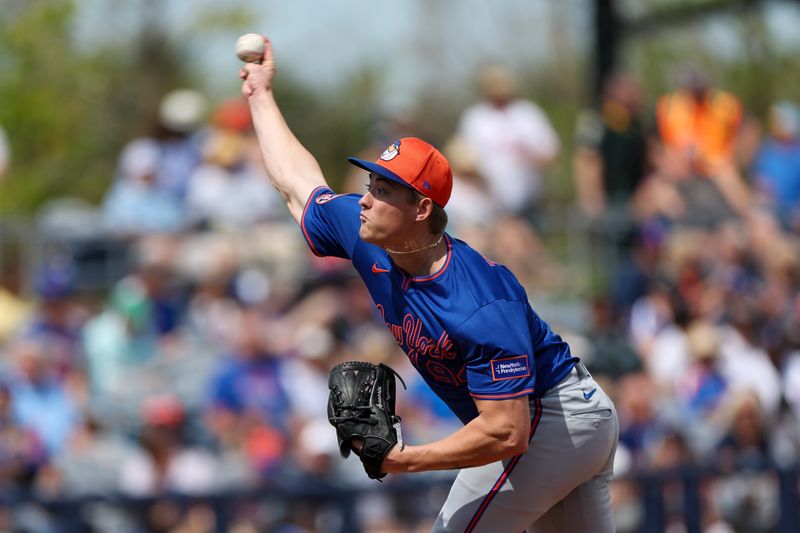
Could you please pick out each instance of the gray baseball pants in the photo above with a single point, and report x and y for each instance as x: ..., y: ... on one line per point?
x: 561, y: 483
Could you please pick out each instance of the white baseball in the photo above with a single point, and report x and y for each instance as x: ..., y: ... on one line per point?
x: 250, y: 48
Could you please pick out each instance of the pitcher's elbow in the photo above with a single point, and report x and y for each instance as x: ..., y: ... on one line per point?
x: 516, y: 444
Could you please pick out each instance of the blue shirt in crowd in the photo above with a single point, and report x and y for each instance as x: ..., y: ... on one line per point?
x: 778, y: 172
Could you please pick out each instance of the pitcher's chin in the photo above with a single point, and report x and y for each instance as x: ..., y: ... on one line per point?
x: 367, y: 236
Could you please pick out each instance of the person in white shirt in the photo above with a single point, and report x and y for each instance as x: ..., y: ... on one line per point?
x: 513, y: 139
x: 229, y: 190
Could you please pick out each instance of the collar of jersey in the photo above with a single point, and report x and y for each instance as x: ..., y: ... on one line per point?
x: 431, y: 277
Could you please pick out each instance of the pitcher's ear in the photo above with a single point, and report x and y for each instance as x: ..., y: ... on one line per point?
x: 424, y: 208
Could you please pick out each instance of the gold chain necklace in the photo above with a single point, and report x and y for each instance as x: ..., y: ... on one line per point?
x: 427, y: 247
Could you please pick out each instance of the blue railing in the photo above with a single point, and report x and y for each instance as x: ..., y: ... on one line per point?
x: 420, y: 499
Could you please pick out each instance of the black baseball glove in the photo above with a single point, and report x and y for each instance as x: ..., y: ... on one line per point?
x: 361, y: 405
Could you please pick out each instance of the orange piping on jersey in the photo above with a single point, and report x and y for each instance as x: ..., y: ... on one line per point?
x: 444, y: 267
x: 303, y: 220
x: 500, y: 396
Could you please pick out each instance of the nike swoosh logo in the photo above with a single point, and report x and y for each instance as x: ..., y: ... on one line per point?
x: 587, y: 395
x: 378, y: 270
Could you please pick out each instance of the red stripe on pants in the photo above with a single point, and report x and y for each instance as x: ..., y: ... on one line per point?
x: 507, y: 472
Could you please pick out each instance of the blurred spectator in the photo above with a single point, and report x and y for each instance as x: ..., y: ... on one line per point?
x: 316, y: 452
x: 676, y: 195
x: 699, y: 121
x: 743, y: 363
x: 249, y: 408
x: 40, y: 401
x: 21, y: 449
x: 166, y: 463
x: 625, y: 501
x: 637, y: 270
x: 470, y: 210
x: 91, y: 462
x: 641, y: 426
x: 15, y: 310
x: 610, y: 354
x: 656, y: 327
x: 121, y: 339
x: 136, y: 204
x: 513, y: 139
x: 153, y: 172
x: 701, y: 388
x: 777, y: 166
x: 747, y: 498
x: 745, y: 442
x: 230, y: 190
x: 155, y: 270
x: 425, y: 416
x: 213, y: 309
x: 178, y: 135
x: 475, y: 216
x: 612, y: 149
x: 747, y: 502
x: 671, y: 455
x: 515, y: 244
x: 306, y: 375
x: 58, y: 319
x: 791, y: 382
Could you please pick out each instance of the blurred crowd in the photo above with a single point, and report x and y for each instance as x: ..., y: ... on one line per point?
x: 202, y: 366
x: 698, y: 329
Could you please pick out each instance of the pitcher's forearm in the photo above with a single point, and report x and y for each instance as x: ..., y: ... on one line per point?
x: 291, y: 168
x: 500, y: 431
x: 476, y: 444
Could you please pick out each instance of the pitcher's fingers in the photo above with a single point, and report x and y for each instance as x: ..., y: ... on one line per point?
x: 243, y: 73
x: 267, y: 49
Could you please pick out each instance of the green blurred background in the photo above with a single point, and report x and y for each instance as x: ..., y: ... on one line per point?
x: 80, y: 78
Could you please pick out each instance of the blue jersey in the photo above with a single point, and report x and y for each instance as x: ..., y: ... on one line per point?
x: 468, y: 328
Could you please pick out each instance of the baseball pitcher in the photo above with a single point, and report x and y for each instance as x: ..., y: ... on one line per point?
x: 539, y: 435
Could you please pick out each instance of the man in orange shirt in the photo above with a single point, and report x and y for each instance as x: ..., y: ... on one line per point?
x: 701, y: 120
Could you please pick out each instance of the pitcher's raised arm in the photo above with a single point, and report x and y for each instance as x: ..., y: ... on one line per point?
x: 292, y: 169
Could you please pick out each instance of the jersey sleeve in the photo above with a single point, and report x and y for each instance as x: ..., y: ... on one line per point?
x: 330, y: 223
x: 498, y: 351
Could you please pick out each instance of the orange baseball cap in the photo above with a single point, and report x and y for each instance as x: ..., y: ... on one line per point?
x: 416, y: 164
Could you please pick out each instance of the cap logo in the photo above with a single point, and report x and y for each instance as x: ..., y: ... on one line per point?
x: 426, y: 185
x: 391, y: 152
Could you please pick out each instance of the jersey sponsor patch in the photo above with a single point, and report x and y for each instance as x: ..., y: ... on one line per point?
x: 510, y: 368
